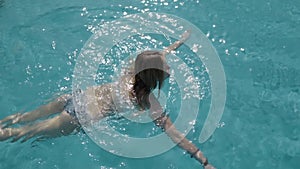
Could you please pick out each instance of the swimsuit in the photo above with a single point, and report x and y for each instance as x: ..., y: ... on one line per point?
x: 112, y: 97
x: 70, y: 108
x: 70, y: 105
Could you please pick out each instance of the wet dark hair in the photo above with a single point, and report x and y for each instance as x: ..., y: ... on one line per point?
x: 149, y: 72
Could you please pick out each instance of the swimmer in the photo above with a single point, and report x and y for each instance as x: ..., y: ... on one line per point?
x: 149, y: 72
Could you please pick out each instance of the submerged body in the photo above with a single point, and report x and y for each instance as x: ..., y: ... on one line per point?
x: 108, y: 99
x: 95, y: 103
x: 131, y: 92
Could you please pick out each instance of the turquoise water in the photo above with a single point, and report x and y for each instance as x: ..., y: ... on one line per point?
x: 258, y: 45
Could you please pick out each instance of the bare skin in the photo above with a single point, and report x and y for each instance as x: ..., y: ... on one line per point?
x: 176, y: 136
x: 99, y: 105
x: 62, y: 124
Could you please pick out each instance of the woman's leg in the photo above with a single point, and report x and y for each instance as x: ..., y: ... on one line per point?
x: 51, y: 108
x: 8, y: 133
x: 63, y: 124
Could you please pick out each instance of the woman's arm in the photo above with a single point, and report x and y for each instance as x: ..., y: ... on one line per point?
x: 177, y: 137
x: 178, y: 43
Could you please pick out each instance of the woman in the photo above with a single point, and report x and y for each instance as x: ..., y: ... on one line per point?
x: 150, y: 71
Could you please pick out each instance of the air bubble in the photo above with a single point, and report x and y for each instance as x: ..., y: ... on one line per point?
x: 53, y: 44
x: 227, y: 52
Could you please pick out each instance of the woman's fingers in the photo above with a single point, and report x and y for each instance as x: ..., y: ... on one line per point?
x: 208, y: 166
x: 185, y: 35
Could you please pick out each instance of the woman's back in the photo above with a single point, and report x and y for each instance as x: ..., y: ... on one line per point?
x: 111, y: 98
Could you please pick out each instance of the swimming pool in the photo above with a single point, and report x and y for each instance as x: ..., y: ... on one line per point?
x: 257, y: 42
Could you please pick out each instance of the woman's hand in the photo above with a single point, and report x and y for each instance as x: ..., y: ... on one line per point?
x: 185, y: 36
x: 208, y: 166
x: 175, y: 45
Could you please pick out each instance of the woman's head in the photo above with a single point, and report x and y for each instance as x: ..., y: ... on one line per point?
x: 150, y: 70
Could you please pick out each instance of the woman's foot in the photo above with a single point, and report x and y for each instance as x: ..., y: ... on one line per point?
x: 8, y: 133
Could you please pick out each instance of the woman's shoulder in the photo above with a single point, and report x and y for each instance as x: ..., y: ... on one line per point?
x: 125, y: 79
x: 103, y: 88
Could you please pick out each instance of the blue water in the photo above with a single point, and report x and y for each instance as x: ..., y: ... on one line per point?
x: 258, y: 43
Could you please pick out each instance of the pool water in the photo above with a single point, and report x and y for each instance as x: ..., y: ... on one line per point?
x: 258, y: 44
